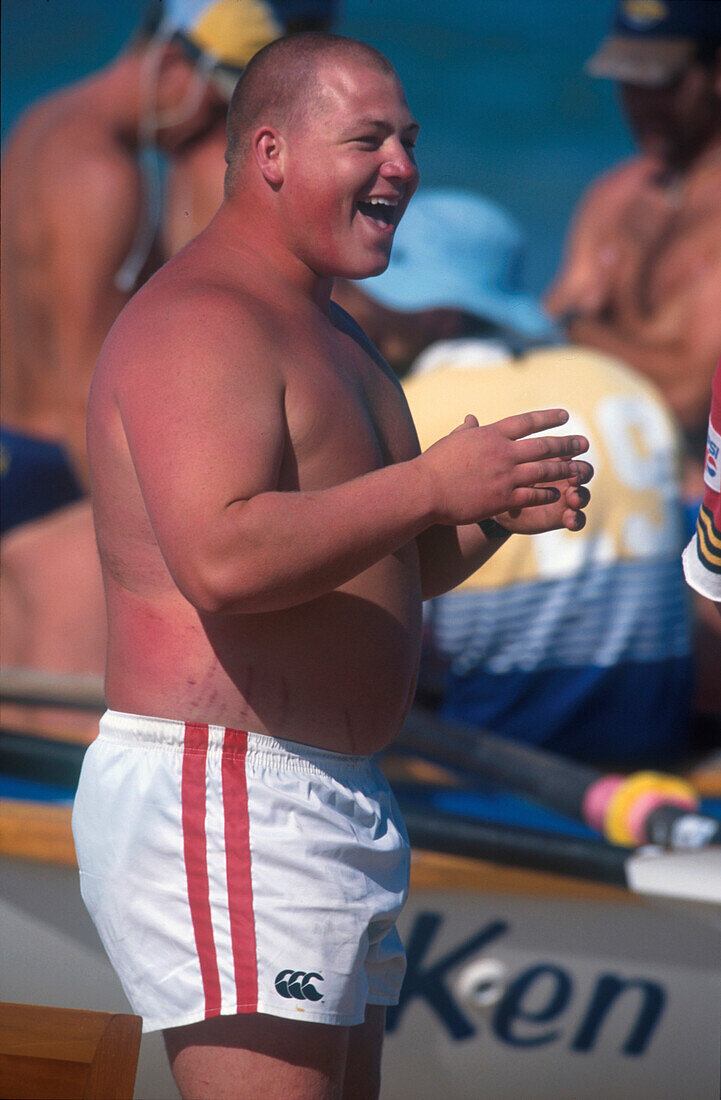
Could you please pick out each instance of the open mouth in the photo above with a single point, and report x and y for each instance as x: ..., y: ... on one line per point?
x: 382, y: 211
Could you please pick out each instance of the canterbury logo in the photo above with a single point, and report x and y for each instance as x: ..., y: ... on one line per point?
x: 298, y: 984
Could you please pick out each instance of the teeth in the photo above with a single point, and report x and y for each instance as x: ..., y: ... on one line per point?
x: 382, y: 202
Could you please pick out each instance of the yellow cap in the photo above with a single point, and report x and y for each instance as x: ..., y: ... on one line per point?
x: 228, y: 31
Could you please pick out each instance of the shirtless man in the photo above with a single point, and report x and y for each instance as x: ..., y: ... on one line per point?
x: 642, y: 274
x: 268, y: 529
x: 78, y: 237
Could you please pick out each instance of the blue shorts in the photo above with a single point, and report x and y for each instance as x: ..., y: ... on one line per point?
x: 37, y: 478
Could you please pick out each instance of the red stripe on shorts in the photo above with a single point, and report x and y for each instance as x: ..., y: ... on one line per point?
x: 195, y: 753
x: 237, y: 855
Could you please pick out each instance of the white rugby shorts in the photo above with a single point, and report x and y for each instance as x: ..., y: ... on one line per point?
x: 230, y: 872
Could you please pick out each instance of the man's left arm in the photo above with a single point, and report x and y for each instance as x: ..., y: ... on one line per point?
x: 448, y: 555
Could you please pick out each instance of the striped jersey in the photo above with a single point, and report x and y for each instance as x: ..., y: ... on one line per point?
x: 576, y: 641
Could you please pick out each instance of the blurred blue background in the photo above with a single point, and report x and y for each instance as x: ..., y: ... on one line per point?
x: 498, y: 86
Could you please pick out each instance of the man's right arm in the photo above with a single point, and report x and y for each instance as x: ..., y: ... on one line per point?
x: 581, y: 287
x: 208, y: 437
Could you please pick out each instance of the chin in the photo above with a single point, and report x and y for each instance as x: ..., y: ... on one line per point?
x: 369, y: 268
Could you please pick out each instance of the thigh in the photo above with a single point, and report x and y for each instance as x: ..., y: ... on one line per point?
x: 363, y: 1062
x: 256, y: 1056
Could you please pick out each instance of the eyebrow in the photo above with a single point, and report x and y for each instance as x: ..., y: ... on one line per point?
x: 380, y: 124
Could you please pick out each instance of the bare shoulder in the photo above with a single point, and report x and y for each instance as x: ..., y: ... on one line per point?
x: 188, y: 316
x: 617, y: 186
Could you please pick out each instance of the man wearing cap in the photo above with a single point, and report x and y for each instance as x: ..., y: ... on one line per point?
x: 80, y: 218
x: 581, y: 643
x: 642, y: 274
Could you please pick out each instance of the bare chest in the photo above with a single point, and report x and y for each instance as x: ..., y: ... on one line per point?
x: 666, y: 242
x: 345, y: 417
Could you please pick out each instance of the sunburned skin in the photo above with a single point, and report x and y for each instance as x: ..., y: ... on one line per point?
x: 266, y: 525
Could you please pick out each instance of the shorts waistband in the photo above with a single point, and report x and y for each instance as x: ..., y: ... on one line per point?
x: 175, y: 734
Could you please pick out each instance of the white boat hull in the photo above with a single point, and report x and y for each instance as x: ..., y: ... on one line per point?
x: 520, y: 985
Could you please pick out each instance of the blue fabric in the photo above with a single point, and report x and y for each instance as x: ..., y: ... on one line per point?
x: 28, y: 790
x: 629, y: 714
x: 36, y: 479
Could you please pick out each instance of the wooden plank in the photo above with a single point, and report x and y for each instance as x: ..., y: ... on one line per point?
x: 61, y: 1053
x: 439, y: 871
x: 706, y: 779
x: 113, y: 1069
x: 41, y: 1031
x: 33, y: 830
x: 29, y: 1079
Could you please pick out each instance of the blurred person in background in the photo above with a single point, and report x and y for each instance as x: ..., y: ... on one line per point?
x: 578, y: 644
x: 641, y: 277
x: 194, y: 188
x: 80, y: 233
x: 702, y: 556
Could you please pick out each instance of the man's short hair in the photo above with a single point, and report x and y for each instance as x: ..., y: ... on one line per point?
x: 279, y: 85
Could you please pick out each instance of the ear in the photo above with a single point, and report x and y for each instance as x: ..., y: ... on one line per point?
x: 269, y: 152
x: 170, y: 57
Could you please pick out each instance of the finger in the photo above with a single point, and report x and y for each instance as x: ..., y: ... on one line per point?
x: 515, y: 427
x: 551, y: 469
x: 573, y: 520
x: 586, y: 472
x: 470, y: 422
x: 577, y: 497
x: 531, y: 496
x: 550, y: 446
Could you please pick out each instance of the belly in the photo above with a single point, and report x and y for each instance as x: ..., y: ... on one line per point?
x: 338, y: 672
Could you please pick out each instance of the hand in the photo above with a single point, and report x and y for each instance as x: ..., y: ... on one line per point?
x: 478, y: 472
x: 564, y: 512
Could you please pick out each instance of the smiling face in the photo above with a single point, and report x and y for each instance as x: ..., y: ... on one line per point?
x: 349, y: 170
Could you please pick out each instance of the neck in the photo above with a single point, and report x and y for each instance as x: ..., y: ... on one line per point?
x: 117, y: 96
x: 249, y: 227
x: 685, y: 162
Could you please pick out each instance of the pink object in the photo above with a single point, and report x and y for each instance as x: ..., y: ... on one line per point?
x: 597, y: 798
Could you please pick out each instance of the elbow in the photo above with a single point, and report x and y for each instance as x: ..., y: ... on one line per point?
x: 220, y: 590
x: 208, y: 588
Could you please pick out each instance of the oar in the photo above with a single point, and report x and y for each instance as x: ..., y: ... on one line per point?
x: 642, y: 808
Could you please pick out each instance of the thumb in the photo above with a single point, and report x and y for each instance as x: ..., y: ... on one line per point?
x: 470, y: 422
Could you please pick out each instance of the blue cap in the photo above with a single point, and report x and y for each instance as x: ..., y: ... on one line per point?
x: 457, y: 250
x: 652, y: 41
x: 695, y: 19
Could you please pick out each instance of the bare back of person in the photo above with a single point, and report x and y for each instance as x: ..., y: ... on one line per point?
x: 338, y: 671
x: 72, y: 196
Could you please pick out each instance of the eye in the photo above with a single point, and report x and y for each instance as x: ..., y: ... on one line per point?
x: 369, y: 140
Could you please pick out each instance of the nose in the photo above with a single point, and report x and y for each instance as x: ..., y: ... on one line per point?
x: 400, y: 165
